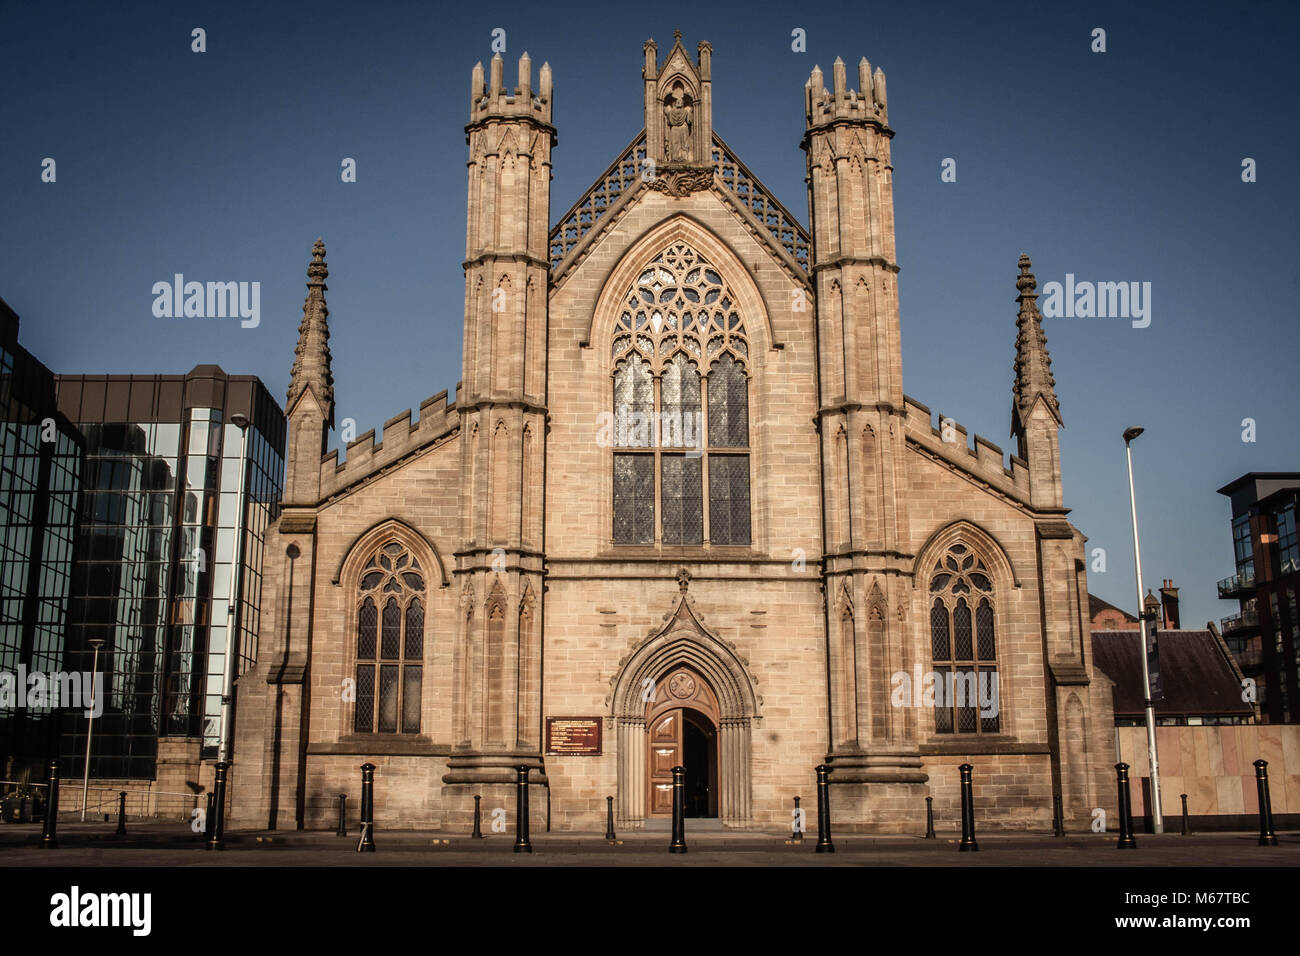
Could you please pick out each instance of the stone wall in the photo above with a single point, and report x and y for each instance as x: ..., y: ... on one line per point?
x: 1214, y: 767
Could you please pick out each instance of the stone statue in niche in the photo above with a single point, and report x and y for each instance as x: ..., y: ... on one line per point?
x: 680, y: 116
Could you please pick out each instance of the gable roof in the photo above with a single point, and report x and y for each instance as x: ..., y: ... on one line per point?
x: 1198, y: 678
x: 608, y: 198
x: 1096, y: 605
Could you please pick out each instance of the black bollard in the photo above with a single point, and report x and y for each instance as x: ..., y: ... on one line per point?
x: 121, y: 813
x: 522, y: 843
x: 796, y: 832
x: 968, y: 843
x: 824, y: 844
x: 1186, y: 827
x: 609, y: 819
x: 1058, y: 814
x: 207, y: 817
x: 478, y: 819
x: 367, y: 842
x: 49, y: 836
x: 1126, y: 841
x: 1266, y: 835
x: 929, y: 818
x: 343, y: 816
x: 678, y: 845
x: 218, y: 841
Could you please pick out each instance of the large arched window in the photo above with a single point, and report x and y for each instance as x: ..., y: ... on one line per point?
x: 967, y: 697
x: 681, y: 408
x: 390, y: 643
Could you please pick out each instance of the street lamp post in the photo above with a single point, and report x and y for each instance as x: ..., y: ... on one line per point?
x: 1157, y: 819
x: 232, y: 638
x: 96, y: 643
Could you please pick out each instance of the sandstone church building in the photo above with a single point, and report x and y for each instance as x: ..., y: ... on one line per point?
x: 679, y: 512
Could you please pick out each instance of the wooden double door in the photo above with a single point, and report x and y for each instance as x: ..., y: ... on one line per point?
x: 683, y: 728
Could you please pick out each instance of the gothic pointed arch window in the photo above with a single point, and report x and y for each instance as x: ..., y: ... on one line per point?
x: 391, y: 605
x: 681, y: 407
x: 963, y: 645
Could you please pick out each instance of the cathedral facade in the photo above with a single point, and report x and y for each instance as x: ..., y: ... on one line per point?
x: 680, y: 512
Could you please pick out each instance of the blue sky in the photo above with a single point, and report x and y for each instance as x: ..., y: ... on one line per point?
x: 1115, y: 166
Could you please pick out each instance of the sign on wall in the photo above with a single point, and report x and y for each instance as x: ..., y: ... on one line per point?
x: 573, y: 736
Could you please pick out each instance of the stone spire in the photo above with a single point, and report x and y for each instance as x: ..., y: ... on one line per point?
x: 311, y: 363
x: 1033, y: 366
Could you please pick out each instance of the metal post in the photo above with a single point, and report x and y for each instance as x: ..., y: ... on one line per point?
x: 343, y: 815
x: 522, y: 843
x: 609, y: 819
x: 1058, y: 814
x: 678, y: 844
x: 49, y: 836
x: 929, y: 818
x: 824, y: 844
x: 367, y: 842
x: 478, y: 818
x: 218, y: 841
x: 1126, y: 841
x: 1157, y: 819
x: 207, y: 818
x: 232, y: 620
x: 1266, y: 835
x: 968, y: 843
x: 121, y: 813
x: 1186, y: 828
x: 96, y: 643
x: 796, y: 833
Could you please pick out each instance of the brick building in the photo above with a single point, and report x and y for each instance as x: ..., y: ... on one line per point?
x: 680, y: 504
x: 1264, y: 634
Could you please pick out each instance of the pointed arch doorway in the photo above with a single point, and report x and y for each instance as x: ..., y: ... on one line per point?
x: 684, y: 669
x: 682, y: 721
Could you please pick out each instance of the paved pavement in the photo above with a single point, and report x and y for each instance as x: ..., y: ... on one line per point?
x: 172, y: 844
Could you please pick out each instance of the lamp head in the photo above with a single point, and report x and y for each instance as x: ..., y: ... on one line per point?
x: 1131, y: 433
x: 239, y: 420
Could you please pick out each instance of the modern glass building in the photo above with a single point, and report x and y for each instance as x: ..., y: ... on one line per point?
x: 40, y: 467
x: 1265, y: 633
x: 121, y: 499
x: 160, y: 511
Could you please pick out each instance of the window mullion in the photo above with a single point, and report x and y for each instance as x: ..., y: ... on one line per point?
x: 704, y: 464
x: 656, y: 442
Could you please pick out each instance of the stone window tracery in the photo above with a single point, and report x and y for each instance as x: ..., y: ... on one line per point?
x: 963, y: 645
x: 678, y: 430
x: 390, y: 643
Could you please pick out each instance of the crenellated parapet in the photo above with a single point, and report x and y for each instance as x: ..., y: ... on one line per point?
x: 493, y: 98
x: 981, y: 459
x: 401, y: 438
x: 865, y: 104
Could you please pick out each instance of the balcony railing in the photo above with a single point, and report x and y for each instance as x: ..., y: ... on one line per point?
x: 1237, y: 584
x: 1236, y: 622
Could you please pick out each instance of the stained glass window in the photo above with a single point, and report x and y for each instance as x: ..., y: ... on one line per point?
x: 729, y: 499
x: 967, y: 697
x: 390, y: 642
x: 683, y: 510
x: 678, y: 312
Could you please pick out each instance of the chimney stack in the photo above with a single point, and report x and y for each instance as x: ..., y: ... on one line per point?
x: 1169, y: 601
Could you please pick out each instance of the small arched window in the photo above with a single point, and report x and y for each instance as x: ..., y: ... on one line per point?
x: 967, y: 698
x: 680, y: 330
x: 390, y: 643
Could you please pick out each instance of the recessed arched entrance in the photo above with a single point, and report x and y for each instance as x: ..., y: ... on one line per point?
x: 686, y: 670
x: 682, y: 722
